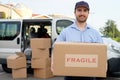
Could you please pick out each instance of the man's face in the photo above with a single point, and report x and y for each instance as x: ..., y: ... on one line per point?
x: 81, y: 14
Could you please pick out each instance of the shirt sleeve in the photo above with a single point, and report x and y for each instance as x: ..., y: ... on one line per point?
x: 99, y: 38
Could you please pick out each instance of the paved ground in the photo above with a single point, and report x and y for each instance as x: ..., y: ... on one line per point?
x: 8, y: 76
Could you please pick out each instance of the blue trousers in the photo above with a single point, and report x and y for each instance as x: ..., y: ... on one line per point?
x: 78, y: 78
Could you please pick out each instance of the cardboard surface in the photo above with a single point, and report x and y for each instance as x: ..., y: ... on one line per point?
x: 41, y: 63
x: 16, y: 61
x: 38, y: 53
x: 19, y: 73
x: 40, y: 43
x: 80, y: 59
x: 43, y: 73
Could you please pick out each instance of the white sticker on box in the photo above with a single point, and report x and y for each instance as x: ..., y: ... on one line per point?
x: 81, y: 60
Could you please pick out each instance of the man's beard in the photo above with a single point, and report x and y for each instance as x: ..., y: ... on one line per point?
x: 81, y: 21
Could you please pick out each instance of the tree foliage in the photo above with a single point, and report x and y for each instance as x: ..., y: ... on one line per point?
x: 110, y: 29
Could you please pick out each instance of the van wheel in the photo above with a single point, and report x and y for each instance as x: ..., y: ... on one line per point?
x: 6, y: 69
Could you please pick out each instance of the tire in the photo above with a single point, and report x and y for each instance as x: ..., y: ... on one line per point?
x: 6, y: 69
x: 114, y: 65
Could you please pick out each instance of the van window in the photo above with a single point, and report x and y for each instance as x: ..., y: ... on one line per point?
x: 9, y: 30
x: 61, y: 24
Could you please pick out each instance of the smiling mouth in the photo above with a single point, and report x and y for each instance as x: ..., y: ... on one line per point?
x: 82, y: 16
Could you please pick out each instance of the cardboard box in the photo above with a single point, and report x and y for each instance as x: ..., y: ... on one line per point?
x: 41, y: 63
x: 40, y: 43
x: 16, y: 61
x: 80, y: 59
x: 43, y: 73
x: 38, y: 53
x: 19, y: 73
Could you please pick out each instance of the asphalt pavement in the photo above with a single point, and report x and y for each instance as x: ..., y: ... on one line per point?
x: 8, y: 76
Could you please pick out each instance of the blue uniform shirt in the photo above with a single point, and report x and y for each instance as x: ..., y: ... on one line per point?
x: 73, y: 34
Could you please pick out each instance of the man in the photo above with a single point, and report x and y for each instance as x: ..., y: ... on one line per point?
x: 80, y: 31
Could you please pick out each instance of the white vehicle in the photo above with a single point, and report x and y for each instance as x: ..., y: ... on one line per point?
x: 113, y: 55
x: 15, y: 35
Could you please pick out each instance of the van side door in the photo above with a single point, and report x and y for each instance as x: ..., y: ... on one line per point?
x: 10, y: 37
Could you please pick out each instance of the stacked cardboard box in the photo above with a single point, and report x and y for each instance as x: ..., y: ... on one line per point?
x: 17, y: 63
x: 40, y: 57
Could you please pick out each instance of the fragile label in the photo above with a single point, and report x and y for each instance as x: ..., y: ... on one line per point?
x: 81, y: 60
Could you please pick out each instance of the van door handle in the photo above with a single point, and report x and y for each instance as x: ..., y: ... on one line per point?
x: 18, y: 40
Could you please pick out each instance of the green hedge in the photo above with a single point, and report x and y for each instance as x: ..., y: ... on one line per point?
x: 116, y: 39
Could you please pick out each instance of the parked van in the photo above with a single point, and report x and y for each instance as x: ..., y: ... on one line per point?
x: 15, y: 35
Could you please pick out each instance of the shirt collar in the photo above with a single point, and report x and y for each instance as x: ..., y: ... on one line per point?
x: 75, y: 26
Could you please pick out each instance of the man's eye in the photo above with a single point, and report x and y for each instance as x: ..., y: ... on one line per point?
x: 85, y: 10
x: 79, y: 10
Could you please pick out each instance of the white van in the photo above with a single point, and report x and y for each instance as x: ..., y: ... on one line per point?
x: 15, y: 35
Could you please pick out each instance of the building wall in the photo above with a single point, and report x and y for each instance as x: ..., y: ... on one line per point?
x: 5, y: 9
x: 9, y: 12
x: 13, y: 13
